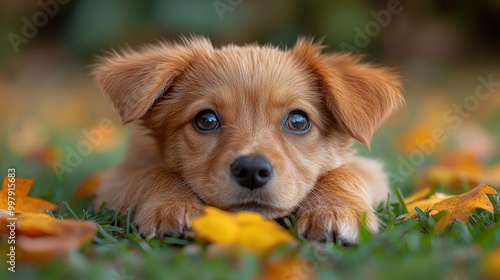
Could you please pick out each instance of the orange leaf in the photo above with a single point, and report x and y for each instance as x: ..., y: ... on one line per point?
x: 291, y: 267
x: 418, y: 134
x: 460, y: 207
x: 19, y: 196
x: 41, y: 238
x: 89, y: 187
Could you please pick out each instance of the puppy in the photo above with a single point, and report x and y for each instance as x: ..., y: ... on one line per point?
x: 251, y: 127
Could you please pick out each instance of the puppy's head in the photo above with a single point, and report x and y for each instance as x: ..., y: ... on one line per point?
x: 249, y: 128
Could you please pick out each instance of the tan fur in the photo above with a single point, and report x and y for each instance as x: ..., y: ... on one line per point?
x: 171, y: 170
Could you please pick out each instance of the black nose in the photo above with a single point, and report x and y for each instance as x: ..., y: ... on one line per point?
x: 251, y: 171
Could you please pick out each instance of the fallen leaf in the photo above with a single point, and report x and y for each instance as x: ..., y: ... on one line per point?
x: 216, y: 226
x: 19, y: 195
x: 41, y: 238
x: 461, y: 168
x: 88, y: 188
x: 291, y: 267
x: 408, y: 141
x: 425, y: 203
x: 246, y: 230
x: 35, y: 224
x: 419, y: 195
x: 491, y: 265
x: 460, y: 207
x: 426, y: 130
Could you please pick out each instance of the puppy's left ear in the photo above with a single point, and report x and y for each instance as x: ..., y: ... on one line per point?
x: 360, y: 96
x: 134, y: 80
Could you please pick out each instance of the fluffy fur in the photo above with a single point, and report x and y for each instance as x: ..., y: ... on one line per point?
x: 171, y: 170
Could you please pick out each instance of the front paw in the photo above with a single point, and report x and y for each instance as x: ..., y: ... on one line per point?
x: 172, y: 219
x: 333, y: 224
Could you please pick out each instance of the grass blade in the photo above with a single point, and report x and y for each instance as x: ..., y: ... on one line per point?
x: 401, y: 200
x: 70, y: 210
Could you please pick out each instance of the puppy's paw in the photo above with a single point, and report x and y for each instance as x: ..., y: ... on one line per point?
x: 168, y: 219
x: 328, y: 223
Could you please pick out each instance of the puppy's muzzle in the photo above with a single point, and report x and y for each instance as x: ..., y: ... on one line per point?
x: 251, y: 172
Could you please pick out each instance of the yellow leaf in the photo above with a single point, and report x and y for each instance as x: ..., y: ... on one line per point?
x: 19, y: 194
x: 245, y: 230
x: 262, y: 236
x: 425, y: 204
x: 460, y: 207
x: 216, y: 226
x: 421, y: 194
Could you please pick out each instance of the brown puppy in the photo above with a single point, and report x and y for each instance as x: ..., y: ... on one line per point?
x: 247, y: 128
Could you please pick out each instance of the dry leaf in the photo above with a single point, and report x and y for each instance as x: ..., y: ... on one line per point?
x: 291, y: 267
x: 491, y: 264
x: 246, y: 230
x: 89, y: 187
x: 429, y: 129
x: 425, y: 203
x: 408, y: 142
x: 458, y: 168
x: 23, y: 203
x: 41, y: 238
x: 419, y: 195
x: 460, y: 207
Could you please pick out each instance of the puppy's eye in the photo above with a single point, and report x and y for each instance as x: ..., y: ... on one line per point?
x: 297, y: 122
x: 206, y: 121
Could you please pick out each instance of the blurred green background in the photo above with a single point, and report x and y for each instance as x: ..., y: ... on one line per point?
x: 48, y: 102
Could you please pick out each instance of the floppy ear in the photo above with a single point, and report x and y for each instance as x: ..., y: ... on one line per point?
x: 360, y: 96
x: 134, y: 80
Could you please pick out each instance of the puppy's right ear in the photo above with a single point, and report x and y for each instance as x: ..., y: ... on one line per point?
x: 134, y: 80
